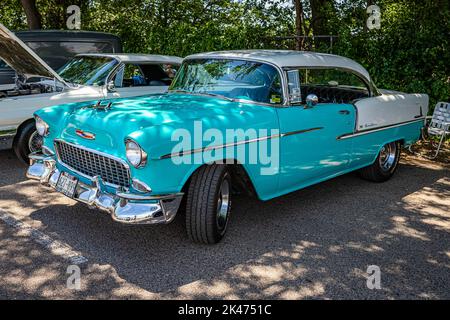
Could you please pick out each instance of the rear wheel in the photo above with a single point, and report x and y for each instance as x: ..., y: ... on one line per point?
x: 385, y: 165
x: 208, y: 204
x: 27, y: 141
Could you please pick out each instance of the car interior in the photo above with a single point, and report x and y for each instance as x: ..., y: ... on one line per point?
x: 334, y: 94
x: 145, y: 75
x: 332, y: 85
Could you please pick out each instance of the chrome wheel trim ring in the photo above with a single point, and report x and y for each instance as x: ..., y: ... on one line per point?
x: 35, y: 142
x: 388, y: 156
x: 223, y: 205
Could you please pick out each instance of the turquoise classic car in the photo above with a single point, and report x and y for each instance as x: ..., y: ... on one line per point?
x: 261, y: 122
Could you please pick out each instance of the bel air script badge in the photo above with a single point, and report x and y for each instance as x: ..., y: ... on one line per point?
x: 85, y: 135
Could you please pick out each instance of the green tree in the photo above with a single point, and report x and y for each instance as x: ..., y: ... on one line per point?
x: 409, y: 53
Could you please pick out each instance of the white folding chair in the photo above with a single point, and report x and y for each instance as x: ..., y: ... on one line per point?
x: 440, y: 123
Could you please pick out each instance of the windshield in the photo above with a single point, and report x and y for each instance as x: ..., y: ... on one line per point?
x: 87, y: 70
x: 233, y: 79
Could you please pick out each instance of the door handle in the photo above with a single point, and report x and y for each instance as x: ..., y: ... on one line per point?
x: 344, y: 112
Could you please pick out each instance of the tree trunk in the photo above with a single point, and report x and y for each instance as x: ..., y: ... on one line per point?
x: 299, y: 24
x: 34, y: 18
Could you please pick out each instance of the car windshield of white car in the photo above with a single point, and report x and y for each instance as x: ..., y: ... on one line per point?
x: 230, y: 79
x: 87, y: 70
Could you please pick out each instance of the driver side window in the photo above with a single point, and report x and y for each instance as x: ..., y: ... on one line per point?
x: 139, y: 75
x: 133, y: 76
x: 129, y: 75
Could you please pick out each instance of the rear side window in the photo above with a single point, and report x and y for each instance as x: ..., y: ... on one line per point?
x: 332, y: 85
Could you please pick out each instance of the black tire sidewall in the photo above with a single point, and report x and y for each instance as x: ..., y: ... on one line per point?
x: 21, y: 142
x: 202, y: 201
x: 218, y: 234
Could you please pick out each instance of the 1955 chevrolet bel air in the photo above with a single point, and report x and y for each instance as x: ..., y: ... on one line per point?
x: 263, y: 122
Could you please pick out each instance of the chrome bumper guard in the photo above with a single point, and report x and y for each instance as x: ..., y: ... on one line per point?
x: 124, y: 207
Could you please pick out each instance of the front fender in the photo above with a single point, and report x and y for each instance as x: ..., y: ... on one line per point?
x: 169, y: 167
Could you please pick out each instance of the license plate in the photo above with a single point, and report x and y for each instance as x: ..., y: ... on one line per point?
x: 67, y: 184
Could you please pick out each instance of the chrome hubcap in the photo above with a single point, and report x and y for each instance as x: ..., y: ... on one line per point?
x: 223, y: 205
x: 388, y: 156
x: 35, y: 142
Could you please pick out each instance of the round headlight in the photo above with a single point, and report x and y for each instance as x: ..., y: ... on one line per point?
x: 41, y: 127
x: 135, y: 155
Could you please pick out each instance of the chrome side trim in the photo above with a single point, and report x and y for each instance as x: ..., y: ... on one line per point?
x: 233, y: 144
x: 367, y: 131
x: 300, y: 131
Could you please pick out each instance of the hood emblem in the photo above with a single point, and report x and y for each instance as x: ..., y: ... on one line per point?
x: 85, y: 135
x: 103, y: 107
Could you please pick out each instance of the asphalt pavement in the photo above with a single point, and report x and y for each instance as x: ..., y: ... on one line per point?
x: 316, y: 243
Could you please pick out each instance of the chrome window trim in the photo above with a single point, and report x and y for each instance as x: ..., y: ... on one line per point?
x: 113, y: 72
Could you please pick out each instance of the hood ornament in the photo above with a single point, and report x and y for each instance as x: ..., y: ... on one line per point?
x: 103, y: 107
x: 85, y: 134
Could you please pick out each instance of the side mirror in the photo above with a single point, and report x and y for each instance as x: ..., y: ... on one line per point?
x: 311, y: 101
x: 110, y: 86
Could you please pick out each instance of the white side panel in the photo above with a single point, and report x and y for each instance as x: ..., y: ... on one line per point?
x: 15, y: 110
x: 390, y: 108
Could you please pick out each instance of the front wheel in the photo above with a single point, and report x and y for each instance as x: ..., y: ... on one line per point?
x: 208, y: 204
x: 27, y: 141
x: 385, y: 165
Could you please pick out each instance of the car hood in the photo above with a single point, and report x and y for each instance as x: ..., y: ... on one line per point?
x: 151, y: 120
x: 21, y: 58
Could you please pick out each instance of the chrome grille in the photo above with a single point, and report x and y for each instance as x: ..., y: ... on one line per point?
x: 93, y: 164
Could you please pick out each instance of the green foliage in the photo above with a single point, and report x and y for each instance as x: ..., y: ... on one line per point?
x: 410, y: 53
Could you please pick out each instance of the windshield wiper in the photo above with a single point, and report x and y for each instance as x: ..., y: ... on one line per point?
x: 217, y: 95
x: 204, y: 94
x: 179, y: 91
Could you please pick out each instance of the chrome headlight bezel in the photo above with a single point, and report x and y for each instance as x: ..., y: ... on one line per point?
x: 42, y: 127
x: 136, y: 156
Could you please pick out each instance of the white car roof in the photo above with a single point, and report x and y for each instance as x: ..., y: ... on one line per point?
x: 137, y: 58
x: 289, y: 58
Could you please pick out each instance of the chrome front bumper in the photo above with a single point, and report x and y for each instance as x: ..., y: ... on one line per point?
x: 124, y: 207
